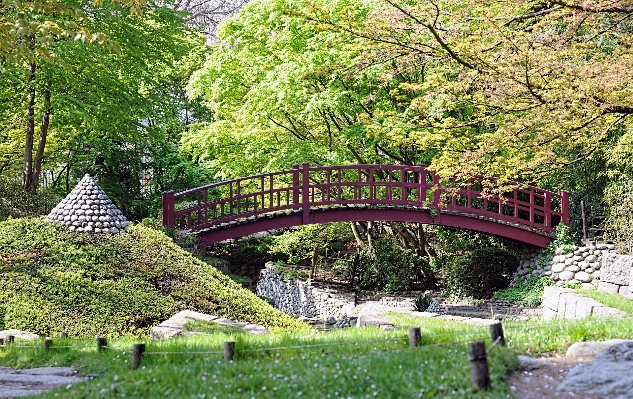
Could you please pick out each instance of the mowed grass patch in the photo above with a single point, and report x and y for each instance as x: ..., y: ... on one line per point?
x: 535, y: 337
x: 357, y: 363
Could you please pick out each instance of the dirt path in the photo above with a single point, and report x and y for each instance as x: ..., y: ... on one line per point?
x: 541, y: 383
x: 16, y: 383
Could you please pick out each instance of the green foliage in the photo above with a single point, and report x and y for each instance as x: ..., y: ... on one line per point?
x: 16, y: 203
x: 422, y: 302
x: 112, y: 285
x: 619, y: 221
x: 296, y: 246
x: 392, y: 269
x: 287, y: 272
x: 480, y: 273
x: 528, y: 291
x: 563, y: 242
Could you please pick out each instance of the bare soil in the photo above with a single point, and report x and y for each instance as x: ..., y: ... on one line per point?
x: 542, y: 383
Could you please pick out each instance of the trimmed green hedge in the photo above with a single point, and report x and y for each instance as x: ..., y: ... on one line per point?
x: 112, y: 285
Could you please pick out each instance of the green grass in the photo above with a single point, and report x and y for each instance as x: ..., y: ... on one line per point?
x: 354, y: 362
x: 616, y: 301
x: 341, y: 363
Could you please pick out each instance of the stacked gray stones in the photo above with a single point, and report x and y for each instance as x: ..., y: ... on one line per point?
x: 581, y: 264
x: 303, y: 300
x: 88, y: 209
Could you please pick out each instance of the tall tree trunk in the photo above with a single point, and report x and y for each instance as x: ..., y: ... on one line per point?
x: 39, y: 155
x: 27, y: 181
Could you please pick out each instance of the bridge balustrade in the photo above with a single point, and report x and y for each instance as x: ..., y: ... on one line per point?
x: 304, y: 188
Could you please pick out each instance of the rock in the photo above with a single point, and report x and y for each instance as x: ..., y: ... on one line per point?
x: 174, y: 326
x: 608, y: 287
x: 558, y: 267
x: 608, y: 374
x: 566, y: 275
x: 18, y: 334
x: 582, y: 277
x: 572, y: 268
x: 616, y: 269
x: 529, y: 363
x: 590, y: 349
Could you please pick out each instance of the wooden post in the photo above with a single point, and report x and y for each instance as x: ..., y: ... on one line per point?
x: 496, y: 332
x: 583, y: 215
x: 137, y: 354
x: 10, y: 339
x: 101, y: 343
x: 168, y: 201
x: 315, y: 257
x: 47, y: 343
x: 295, y: 188
x: 305, y: 192
x: 1, y: 341
x: 352, y: 276
x: 414, y: 336
x: 479, y: 373
x: 229, y: 347
x: 62, y: 335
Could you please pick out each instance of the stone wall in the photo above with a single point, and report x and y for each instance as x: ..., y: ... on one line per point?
x: 564, y: 303
x: 615, y: 275
x: 582, y: 264
x: 298, y: 298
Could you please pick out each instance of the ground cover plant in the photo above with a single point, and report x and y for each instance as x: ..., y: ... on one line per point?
x: 112, y: 285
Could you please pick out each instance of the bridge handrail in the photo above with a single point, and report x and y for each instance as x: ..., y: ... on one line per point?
x: 296, y: 189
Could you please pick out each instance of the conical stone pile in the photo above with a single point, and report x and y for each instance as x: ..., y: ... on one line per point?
x: 88, y: 209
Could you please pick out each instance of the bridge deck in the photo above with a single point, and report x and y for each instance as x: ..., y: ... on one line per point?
x: 362, y: 192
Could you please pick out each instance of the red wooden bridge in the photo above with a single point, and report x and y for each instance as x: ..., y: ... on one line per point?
x: 307, y: 195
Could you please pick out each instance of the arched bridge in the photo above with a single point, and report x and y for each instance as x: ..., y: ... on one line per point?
x: 307, y: 195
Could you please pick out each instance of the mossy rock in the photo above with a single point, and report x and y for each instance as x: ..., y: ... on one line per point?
x: 112, y: 284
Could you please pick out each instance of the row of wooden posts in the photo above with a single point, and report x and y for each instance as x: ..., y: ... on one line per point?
x: 477, y: 353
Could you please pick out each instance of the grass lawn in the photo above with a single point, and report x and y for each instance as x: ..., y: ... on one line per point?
x: 357, y: 363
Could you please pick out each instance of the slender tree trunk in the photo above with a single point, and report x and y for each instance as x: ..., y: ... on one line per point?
x: 27, y: 182
x: 359, y: 240
x: 424, y: 243
x: 39, y: 155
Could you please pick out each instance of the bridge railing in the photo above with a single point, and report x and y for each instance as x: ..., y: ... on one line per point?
x: 305, y: 187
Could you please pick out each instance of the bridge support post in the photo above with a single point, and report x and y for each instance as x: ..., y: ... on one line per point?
x: 564, y: 207
x: 437, y: 197
x: 295, y: 187
x: 168, y: 209
x: 305, y: 192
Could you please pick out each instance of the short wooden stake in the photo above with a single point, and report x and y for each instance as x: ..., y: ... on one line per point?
x: 414, y: 336
x: 229, y: 348
x: 101, y: 343
x: 62, y: 335
x: 47, y: 343
x: 496, y: 332
x: 10, y: 339
x: 137, y: 353
x: 479, y: 372
x: 1, y: 341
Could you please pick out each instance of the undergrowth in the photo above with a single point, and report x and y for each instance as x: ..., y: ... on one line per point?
x: 112, y: 284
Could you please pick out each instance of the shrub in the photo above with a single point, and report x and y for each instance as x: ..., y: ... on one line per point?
x: 422, y: 302
x: 480, y: 273
x: 297, y: 246
x: 16, y: 203
x: 100, y: 284
x: 392, y: 269
x: 528, y: 291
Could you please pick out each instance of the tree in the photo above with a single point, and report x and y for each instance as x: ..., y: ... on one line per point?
x: 509, y: 89
x: 121, y: 94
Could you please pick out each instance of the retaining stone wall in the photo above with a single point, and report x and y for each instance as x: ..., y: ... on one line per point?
x: 563, y: 303
x: 582, y: 264
x: 298, y: 298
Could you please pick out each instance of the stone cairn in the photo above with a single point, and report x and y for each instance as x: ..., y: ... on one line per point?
x: 88, y: 209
